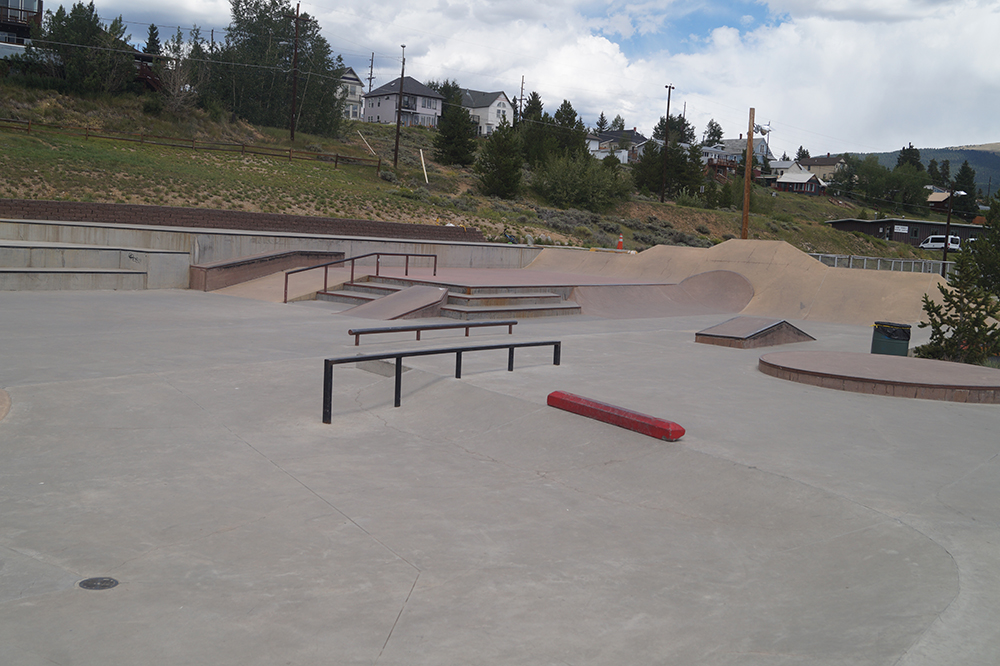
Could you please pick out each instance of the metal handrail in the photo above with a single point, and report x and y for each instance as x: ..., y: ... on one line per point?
x: 378, y: 260
x: 399, y: 356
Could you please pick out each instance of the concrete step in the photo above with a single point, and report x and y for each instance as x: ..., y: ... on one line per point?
x: 510, y: 312
x: 164, y: 269
x: 52, y: 279
x: 510, y: 299
x: 346, y: 296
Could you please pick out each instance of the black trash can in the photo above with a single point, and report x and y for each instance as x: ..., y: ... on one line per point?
x: 889, y: 338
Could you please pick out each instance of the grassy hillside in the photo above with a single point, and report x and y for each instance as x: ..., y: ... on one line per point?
x: 47, y: 164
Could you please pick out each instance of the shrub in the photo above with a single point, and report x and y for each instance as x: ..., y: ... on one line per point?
x: 581, y: 181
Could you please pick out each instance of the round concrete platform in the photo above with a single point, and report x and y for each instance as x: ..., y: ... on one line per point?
x: 881, y: 374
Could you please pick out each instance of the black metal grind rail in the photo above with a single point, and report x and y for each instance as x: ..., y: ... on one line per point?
x: 399, y: 356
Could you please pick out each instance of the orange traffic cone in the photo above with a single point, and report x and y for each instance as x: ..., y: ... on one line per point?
x: 621, y: 241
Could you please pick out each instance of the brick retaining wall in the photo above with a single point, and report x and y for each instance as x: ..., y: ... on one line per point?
x: 78, y: 211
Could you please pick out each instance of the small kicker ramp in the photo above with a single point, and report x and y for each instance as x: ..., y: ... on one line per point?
x: 711, y: 292
x: 752, y: 332
x: 412, y: 302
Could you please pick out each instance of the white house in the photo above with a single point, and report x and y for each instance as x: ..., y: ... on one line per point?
x: 421, y: 105
x: 487, y: 109
x: 355, y: 89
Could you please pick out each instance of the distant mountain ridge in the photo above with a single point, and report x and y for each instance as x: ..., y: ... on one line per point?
x: 984, y: 158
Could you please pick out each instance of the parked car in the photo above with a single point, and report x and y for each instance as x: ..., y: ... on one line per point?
x: 937, y: 243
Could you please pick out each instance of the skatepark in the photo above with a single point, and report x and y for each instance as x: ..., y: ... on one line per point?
x: 171, y: 440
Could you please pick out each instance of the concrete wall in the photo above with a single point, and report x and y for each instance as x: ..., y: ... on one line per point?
x: 210, y: 245
x: 169, y: 216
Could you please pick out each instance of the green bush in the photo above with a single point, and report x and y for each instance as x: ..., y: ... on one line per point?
x: 582, y: 182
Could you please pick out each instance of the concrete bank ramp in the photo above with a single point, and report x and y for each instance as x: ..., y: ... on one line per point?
x: 712, y: 292
x: 787, y: 283
x: 418, y: 301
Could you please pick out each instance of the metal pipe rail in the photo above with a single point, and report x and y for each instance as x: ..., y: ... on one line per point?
x: 378, y: 261
x: 358, y: 332
x: 399, y: 356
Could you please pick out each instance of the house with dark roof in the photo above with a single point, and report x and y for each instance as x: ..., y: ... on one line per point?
x: 626, y: 145
x: 824, y: 167
x: 738, y: 148
x: 487, y: 109
x: 420, y: 106
x: 801, y: 182
x: 354, y: 91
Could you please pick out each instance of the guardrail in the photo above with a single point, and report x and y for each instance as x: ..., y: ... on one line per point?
x: 883, y: 263
x: 28, y: 126
x: 399, y: 356
x: 358, y: 332
x: 378, y: 261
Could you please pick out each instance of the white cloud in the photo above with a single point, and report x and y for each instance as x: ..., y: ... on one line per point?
x: 832, y: 75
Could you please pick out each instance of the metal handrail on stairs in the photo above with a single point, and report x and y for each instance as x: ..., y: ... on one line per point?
x: 378, y: 261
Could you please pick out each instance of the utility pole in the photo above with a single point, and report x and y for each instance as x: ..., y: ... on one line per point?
x: 666, y: 145
x: 520, y: 102
x: 371, y: 72
x: 747, y: 177
x: 295, y: 73
x: 399, y: 108
x: 952, y: 193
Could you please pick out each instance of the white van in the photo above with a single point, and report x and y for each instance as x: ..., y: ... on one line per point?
x: 937, y: 243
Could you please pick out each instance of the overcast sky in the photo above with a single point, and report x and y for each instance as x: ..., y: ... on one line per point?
x: 830, y: 75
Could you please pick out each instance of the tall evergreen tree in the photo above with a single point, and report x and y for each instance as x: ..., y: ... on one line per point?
x: 455, y: 141
x: 681, y: 131
x: 963, y: 325
x: 498, y: 165
x: 617, y: 125
x: 713, y: 133
x: 965, y: 181
x: 910, y: 155
x: 571, y: 135
x: 253, y: 74
x: 152, y: 41
x: 985, y: 249
x: 602, y: 123
x: 801, y: 154
x: 935, y: 174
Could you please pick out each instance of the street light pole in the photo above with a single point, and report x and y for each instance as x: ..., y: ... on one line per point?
x: 399, y: 108
x: 666, y: 144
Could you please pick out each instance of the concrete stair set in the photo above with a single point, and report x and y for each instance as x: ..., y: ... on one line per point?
x: 463, y: 302
x: 42, y: 265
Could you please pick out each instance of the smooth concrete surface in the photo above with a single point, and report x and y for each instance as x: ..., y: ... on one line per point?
x: 787, y: 283
x: 173, y: 440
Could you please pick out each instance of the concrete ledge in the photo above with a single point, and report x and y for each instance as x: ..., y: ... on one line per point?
x: 623, y: 418
x: 879, y: 374
x: 219, y: 274
x: 4, y: 404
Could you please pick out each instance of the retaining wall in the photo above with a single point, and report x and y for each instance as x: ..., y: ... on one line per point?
x: 104, y: 213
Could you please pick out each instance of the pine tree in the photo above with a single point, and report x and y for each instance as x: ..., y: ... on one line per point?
x: 910, y: 155
x: 961, y: 326
x: 965, y: 181
x: 498, y: 165
x: 602, y: 123
x: 986, y: 249
x: 713, y: 133
x: 801, y: 154
x: 455, y: 142
x: 152, y: 41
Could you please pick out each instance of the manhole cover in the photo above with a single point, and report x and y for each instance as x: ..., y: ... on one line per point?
x: 98, y: 583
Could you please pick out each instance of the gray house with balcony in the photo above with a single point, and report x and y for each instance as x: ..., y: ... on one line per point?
x: 421, y: 106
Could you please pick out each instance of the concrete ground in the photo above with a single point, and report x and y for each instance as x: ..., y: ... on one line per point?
x: 173, y: 440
